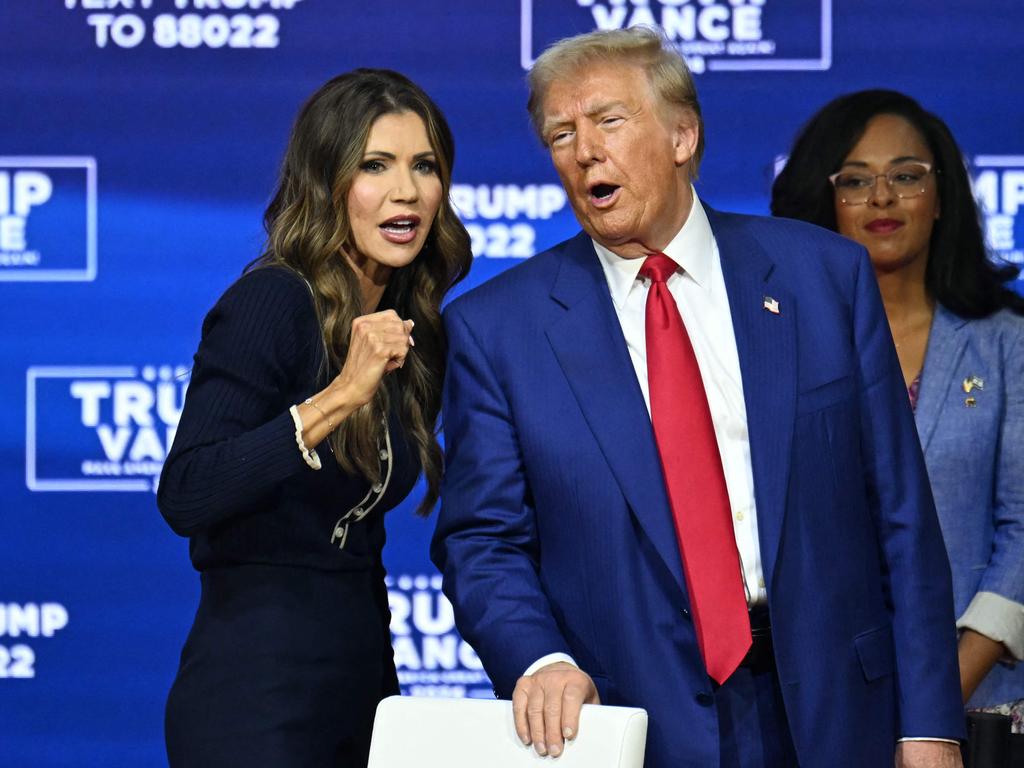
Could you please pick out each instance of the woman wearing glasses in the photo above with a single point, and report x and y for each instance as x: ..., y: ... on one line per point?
x: 879, y: 169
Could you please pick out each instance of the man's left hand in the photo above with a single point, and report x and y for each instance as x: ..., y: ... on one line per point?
x: 928, y: 754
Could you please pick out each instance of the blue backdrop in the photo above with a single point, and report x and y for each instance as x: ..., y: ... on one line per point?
x: 140, y: 143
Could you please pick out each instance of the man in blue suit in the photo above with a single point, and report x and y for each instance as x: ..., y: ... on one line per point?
x: 681, y: 470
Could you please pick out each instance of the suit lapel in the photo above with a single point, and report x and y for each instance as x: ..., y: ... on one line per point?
x: 945, y: 348
x: 766, y: 343
x: 590, y: 348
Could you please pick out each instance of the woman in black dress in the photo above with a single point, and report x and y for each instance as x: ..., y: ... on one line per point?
x: 311, y: 411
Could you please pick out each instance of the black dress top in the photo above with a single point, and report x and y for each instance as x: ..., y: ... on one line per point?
x: 290, y: 649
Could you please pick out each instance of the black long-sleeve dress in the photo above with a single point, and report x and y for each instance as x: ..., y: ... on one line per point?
x: 290, y: 649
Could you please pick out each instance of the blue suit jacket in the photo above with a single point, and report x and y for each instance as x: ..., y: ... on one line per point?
x: 975, y: 458
x: 555, y: 532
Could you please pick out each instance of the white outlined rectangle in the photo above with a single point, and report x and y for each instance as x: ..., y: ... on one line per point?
x: 88, y: 273
x: 32, y: 481
x: 739, y: 64
x: 999, y: 161
x: 997, y: 184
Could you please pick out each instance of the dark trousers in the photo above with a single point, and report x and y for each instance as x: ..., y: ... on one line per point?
x: 752, y: 726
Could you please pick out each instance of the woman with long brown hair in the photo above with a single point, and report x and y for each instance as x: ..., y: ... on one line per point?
x: 311, y: 411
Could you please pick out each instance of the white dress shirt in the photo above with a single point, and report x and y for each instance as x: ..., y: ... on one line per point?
x: 698, y: 289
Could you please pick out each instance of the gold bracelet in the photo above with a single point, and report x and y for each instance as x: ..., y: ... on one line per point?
x: 309, y: 401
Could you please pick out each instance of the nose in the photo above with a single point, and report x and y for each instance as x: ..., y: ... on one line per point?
x: 881, y: 193
x: 589, y: 145
x: 405, y: 188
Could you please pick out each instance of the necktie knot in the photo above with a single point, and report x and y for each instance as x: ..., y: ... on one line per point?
x: 658, y: 267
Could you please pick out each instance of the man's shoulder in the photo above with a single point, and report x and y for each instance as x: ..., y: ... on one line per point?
x: 513, y: 289
x: 788, y: 236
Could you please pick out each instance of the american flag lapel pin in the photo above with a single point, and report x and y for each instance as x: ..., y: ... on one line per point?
x: 772, y: 305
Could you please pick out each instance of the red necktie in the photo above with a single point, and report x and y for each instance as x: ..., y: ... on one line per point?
x: 694, y: 480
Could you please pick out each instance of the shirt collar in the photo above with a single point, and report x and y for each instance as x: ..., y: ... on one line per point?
x: 692, y: 249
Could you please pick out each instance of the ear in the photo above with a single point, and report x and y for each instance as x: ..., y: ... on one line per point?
x: 685, y: 133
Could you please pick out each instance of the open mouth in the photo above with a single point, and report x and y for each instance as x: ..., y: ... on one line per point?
x: 400, y: 229
x: 603, y: 194
x: 400, y: 226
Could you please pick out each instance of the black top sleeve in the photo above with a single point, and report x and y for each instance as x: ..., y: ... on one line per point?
x: 236, y: 439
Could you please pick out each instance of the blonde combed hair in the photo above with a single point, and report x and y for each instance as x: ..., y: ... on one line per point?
x: 647, y: 48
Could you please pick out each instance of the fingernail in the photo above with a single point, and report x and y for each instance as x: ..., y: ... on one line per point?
x: 526, y: 741
x: 555, y: 750
x: 412, y: 341
x: 541, y: 749
x: 567, y: 732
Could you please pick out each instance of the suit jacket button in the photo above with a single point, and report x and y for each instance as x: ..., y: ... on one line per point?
x: 705, y: 699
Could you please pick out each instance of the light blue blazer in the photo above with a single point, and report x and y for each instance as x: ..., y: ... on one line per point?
x: 975, y: 459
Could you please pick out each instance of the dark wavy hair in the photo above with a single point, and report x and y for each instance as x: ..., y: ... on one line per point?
x: 959, y: 274
x: 308, y: 230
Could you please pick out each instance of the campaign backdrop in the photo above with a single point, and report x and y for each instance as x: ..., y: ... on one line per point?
x: 139, y: 144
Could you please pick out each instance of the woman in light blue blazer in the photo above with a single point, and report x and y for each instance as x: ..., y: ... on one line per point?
x: 878, y: 168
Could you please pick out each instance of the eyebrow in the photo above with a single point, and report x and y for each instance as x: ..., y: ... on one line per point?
x: 591, y: 111
x: 604, y: 106
x: 392, y: 156
x: 894, y: 161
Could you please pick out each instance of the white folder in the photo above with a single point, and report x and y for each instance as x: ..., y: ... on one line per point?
x: 479, y: 733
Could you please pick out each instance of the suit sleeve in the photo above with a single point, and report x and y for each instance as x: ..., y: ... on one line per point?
x: 899, y: 495
x: 997, y: 609
x: 235, y: 441
x: 486, y: 543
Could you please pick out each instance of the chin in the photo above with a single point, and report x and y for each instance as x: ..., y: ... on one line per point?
x: 613, y: 233
x: 399, y: 256
x: 887, y: 262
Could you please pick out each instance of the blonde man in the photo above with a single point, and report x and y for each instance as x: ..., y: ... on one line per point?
x: 681, y: 470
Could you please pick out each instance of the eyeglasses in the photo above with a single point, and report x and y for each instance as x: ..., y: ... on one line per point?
x: 905, y: 181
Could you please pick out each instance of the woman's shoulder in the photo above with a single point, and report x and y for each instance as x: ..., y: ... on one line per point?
x: 270, y: 286
x: 1003, y: 326
x: 998, y: 338
x: 274, y: 293
x: 266, y: 303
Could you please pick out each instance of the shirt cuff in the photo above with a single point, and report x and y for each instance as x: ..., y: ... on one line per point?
x: 928, y: 738
x: 551, y: 658
x: 998, y: 618
x: 308, y: 456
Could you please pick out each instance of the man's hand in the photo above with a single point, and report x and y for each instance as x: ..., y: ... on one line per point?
x: 546, y: 705
x: 928, y: 754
